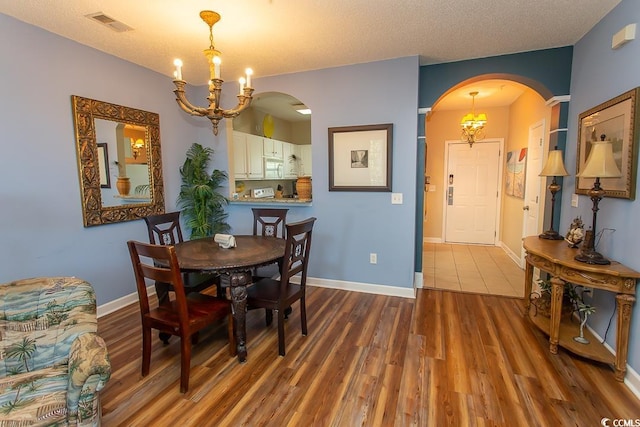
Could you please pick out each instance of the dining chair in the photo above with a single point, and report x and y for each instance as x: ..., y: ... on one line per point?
x: 269, y: 223
x: 184, y: 315
x: 164, y: 229
x: 277, y: 295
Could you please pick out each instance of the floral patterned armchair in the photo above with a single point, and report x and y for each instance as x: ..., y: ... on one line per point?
x: 52, y: 362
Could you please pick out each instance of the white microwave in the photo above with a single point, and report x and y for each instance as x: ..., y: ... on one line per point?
x: 273, y: 169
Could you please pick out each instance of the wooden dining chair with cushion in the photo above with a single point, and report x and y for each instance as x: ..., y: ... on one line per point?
x: 269, y: 223
x: 164, y: 229
x: 277, y: 295
x: 184, y: 314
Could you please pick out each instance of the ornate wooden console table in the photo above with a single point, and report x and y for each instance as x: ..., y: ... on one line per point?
x: 556, y: 258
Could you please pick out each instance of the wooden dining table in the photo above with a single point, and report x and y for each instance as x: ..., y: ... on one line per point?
x: 206, y: 256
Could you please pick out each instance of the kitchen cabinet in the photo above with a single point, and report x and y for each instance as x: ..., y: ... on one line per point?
x: 290, y: 166
x: 272, y: 148
x: 247, y: 156
x: 305, y: 160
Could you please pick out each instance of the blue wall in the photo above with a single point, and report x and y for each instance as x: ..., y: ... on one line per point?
x: 351, y: 224
x: 599, y: 74
x: 41, y: 215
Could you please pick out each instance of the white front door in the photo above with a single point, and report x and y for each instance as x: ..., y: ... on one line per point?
x: 532, y: 205
x: 471, y: 196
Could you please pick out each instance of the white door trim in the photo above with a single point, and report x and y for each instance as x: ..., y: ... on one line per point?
x: 500, y: 181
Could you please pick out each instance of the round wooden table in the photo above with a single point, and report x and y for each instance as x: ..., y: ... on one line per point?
x: 205, y: 255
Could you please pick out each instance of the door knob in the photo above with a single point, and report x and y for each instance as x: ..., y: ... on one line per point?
x: 525, y: 208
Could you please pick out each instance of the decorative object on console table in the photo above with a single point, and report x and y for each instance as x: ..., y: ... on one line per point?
x: 541, y: 301
x: 586, y: 310
x: 213, y: 112
x: 554, y: 168
x: 600, y: 164
x: 576, y: 233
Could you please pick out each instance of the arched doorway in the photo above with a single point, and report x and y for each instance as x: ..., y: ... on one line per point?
x: 512, y: 108
x: 269, y: 146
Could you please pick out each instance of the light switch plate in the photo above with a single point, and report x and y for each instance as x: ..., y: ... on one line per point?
x: 574, y: 200
x: 396, y: 198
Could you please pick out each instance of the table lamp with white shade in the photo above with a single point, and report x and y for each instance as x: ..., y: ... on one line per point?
x: 600, y: 164
x: 554, y: 168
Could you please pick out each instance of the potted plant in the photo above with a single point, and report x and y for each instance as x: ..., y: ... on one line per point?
x: 572, y: 299
x: 200, y: 201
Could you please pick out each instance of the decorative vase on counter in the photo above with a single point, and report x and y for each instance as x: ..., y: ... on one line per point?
x: 123, y: 185
x: 303, y: 186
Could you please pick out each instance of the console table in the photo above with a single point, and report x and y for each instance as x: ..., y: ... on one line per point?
x: 557, y: 258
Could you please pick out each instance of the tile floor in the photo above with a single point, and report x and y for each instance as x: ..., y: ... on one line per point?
x: 471, y: 268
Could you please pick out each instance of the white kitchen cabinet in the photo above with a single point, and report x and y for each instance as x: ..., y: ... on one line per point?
x: 305, y: 160
x: 247, y: 156
x: 290, y: 166
x: 272, y: 148
x: 254, y: 157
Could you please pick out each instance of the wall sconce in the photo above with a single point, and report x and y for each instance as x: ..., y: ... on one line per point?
x: 136, y: 146
x: 600, y: 164
x: 554, y: 167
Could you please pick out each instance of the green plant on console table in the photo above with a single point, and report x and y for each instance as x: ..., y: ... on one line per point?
x: 572, y: 299
x: 201, y: 203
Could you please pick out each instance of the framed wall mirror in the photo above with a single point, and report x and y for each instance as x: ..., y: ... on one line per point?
x: 120, y: 145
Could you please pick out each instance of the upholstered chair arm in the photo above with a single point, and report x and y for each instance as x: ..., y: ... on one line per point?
x: 89, y: 371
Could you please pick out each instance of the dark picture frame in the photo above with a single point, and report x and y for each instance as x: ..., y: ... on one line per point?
x: 103, y: 165
x: 360, y: 158
x: 617, y: 119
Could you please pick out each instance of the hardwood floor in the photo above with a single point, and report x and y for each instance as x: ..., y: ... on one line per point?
x: 444, y: 359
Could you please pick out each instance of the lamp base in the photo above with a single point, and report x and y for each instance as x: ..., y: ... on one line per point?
x: 551, y: 235
x: 589, y: 256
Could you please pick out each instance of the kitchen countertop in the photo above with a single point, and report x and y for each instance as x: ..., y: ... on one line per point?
x: 270, y: 201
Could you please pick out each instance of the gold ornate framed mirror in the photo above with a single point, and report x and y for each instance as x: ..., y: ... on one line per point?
x: 108, y: 131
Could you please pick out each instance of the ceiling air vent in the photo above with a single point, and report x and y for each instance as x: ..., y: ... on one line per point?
x: 109, y: 22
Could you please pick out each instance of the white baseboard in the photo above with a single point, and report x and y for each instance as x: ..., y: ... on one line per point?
x: 631, y: 379
x: 431, y: 240
x: 515, y: 257
x: 122, y: 302
x: 418, y: 280
x: 362, y: 287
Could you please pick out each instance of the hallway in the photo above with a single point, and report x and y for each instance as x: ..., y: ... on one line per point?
x: 471, y: 268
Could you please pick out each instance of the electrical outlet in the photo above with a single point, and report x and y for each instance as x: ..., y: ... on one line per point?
x: 373, y: 258
x: 396, y: 198
x: 574, y: 200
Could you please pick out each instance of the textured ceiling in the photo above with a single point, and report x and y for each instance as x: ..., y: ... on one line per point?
x: 285, y: 36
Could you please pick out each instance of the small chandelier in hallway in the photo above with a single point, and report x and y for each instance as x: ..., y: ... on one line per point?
x: 213, y: 112
x: 473, y: 124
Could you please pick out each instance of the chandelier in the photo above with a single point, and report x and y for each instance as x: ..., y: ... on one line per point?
x: 473, y: 124
x: 213, y: 112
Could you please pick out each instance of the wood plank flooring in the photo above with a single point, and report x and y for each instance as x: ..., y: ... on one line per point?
x: 445, y: 359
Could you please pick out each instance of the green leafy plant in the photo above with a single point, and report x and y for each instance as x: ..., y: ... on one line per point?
x: 573, y: 297
x: 200, y: 201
